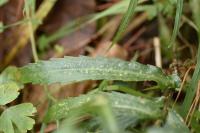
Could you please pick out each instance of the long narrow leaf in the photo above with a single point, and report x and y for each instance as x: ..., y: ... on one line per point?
x: 75, y: 69
x: 125, y: 21
x: 195, y: 4
x: 127, y: 109
x: 179, y: 11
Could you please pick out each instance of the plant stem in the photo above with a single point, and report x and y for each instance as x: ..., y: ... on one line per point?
x: 32, y: 39
x: 41, y: 13
x: 124, y: 23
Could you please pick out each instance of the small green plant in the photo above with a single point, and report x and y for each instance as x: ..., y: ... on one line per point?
x: 15, y: 118
x: 112, y: 107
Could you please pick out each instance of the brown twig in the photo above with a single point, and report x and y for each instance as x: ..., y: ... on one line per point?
x: 182, y: 84
x: 193, y: 106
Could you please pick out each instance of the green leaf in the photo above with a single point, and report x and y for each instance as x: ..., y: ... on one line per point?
x: 166, y: 7
x: 151, y: 10
x: 74, y: 69
x: 1, y: 27
x: 129, y: 110
x: 195, y: 10
x: 29, y: 6
x: 177, y: 20
x: 118, y: 8
x: 123, y: 105
x: 195, y: 125
x: 8, y: 92
x: 165, y: 36
x: 125, y: 21
x: 193, y: 86
x: 100, y: 107
x: 9, y: 85
x: 17, y: 117
x: 2, y: 2
x: 10, y: 74
x: 174, y: 124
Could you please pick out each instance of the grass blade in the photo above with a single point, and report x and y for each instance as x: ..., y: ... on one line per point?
x: 125, y: 21
x: 179, y: 11
x: 195, y: 5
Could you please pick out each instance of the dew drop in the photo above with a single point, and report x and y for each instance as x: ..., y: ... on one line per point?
x: 101, y: 66
x: 142, y: 101
x: 86, y: 71
x: 125, y: 73
x: 120, y: 64
x: 88, y: 99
